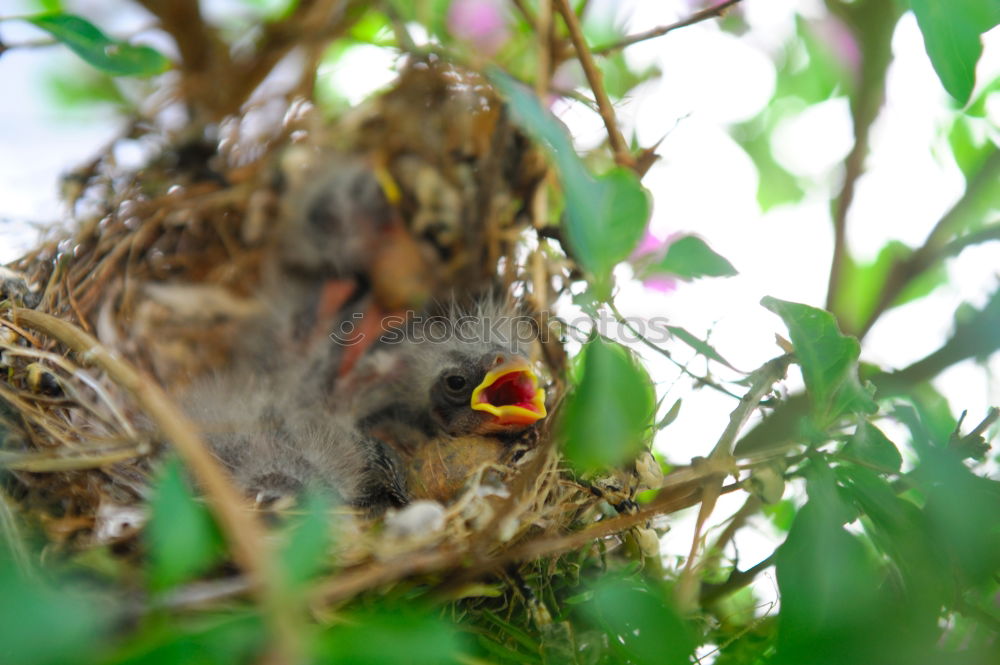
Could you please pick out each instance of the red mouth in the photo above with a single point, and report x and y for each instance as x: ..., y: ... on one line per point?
x: 511, y: 394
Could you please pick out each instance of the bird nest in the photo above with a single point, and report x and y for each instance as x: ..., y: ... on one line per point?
x: 166, y: 268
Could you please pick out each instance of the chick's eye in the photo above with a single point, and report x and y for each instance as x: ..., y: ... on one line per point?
x: 455, y: 382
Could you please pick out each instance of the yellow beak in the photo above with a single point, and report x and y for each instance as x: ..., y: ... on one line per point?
x: 510, y: 393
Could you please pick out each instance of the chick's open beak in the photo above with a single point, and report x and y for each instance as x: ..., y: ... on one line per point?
x: 510, y: 393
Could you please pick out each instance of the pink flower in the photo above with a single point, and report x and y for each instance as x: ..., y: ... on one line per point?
x: 480, y: 22
x: 841, y: 42
x: 649, y: 250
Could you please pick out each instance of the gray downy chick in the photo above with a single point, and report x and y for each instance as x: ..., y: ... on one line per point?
x: 445, y: 393
x: 436, y: 399
x: 276, y: 441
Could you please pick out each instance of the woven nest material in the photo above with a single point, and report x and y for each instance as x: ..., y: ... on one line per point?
x: 175, y: 264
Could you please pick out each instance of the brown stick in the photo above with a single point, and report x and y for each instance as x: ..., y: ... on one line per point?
x: 718, y: 10
x: 594, y: 78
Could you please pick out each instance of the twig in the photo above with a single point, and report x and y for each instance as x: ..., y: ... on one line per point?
x: 250, y: 547
x: 763, y: 380
x: 376, y: 574
x: 704, y: 380
x: 871, y: 25
x: 935, y: 249
x: 594, y: 78
x: 718, y: 10
x: 736, y: 581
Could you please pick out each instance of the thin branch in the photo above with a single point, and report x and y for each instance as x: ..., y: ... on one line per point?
x: 702, y: 380
x: 935, y: 248
x: 871, y: 25
x: 716, y: 11
x: 736, y: 581
x: 763, y: 381
x: 618, y: 145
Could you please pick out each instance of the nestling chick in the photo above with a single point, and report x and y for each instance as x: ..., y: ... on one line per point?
x: 440, y: 397
x: 277, y: 440
x: 448, y: 393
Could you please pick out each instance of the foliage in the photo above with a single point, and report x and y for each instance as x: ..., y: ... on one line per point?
x: 113, y: 56
x: 891, y: 553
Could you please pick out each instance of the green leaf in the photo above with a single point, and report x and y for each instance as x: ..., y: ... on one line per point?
x: 970, y: 148
x: 272, y: 10
x: 390, y: 638
x: 809, y: 69
x: 619, y: 79
x: 828, y: 584
x: 868, y: 444
x: 775, y: 185
x: 309, y: 540
x: 962, y: 511
x: 689, y: 257
x: 608, y: 414
x: 82, y: 86
x: 640, y: 624
x: 699, y: 345
x: 233, y: 638
x: 605, y: 216
x: 184, y: 540
x: 951, y: 30
x: 781, y: 514
x: 46, y: 625
x: 899, y: 529
x: 863, y: 283
x: 829, y: 361
x: 373, y: 28
x: 115, y: 57
x: 936, y: 421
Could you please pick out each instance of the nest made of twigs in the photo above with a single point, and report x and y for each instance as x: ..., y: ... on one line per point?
x: 151, y: 290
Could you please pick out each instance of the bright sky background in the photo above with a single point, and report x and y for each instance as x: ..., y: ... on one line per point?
x: 705, y: 183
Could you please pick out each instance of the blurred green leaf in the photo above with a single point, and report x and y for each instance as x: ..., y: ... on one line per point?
x: 809, y: 69
x: 402, y: 637
x: 184, y: 540
x: 936, y: 419
x: 619, y: 79
x: 642, y: 626
x: 233, y: 638
x: 951, y: 30
x: 115, y: 57
x: 373, y: 28
x: 690, y: 257
x: 81, y: 86
x: 42, y: 624
x: 605, y: 215
x: 775, y: 185
x: 829, y: 585
x: 272, y: 10
x: 962, y: 510
x: 698, y: 344
x: 309, y: 539
x: 50, y: 6
x: 868, y: 444
x: 977, y: 107
x: 863, y: 283
x: 829, y: 361
x: 970, y: 143
x: 608, y: 414
x: 900, y: 530
x: 781, y: 514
